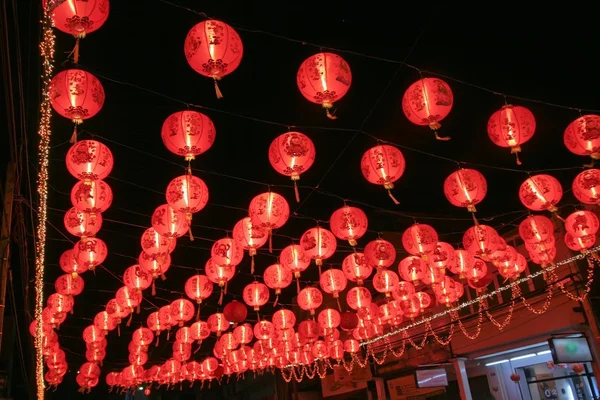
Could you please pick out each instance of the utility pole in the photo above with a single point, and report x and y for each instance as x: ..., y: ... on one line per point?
x: 5, y: 234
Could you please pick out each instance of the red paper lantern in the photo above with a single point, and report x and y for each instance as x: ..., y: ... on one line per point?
x: 586, y: 186
x: 283, y: 319
x: 349, y: 223
x: 385, y: 281
x: 213, y: 49
x: 243, y: 333
x: 218, y: 323
x: 356, y: 268
x: 324, y: 78
x: 82, y: 224
x: 92, y: 334
x: 309, y: 299
x: 511, y: 126
x: 155, y: 244
x: 235, y: 312
x: 412, y: 269
x: 135, y: 277
x: 156, y: 265
x: 219, y: 274
x: 89, y: 160
x: 465, y: 188
x: 333, y: 282
x: 443, y: 256
x: 128, y: 298
x: 78, y: 18
x: 105, y: 322
x: 477, y: 271
x: 403, y: 290
x: 182, y: 310
x: 90, y: 252
x: 142, y: 336
x: 358, y: 297
x: 198, y: 288
x: 250, y: 237
x: 277, y: 277
x: 380, y: 253
x: 427, y: 102
x: 383, y: 165
x: 60, y: 303
x: 226, y: 252
x: 541, y: 192
x: 76, y: 94
x: 420, y: 240
x: 292, y: 154
x: 295, y: 259
x: 92, y: 197
x: 481, y: 241
x: 269, y: 211
x: 187, y: 194
x: 536, y: 228
x: 264, y: 330
x: 188, y: 133
x: 256, y: 295
x: 319, y: 244
x: 168, y: 222
x: 582, y: 223
x: 68, y: 263
x: 582, y: 136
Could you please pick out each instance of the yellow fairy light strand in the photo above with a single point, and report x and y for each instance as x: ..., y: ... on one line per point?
x: 47, y: 47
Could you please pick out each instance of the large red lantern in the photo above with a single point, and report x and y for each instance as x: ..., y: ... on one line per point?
x: 256, y: 295
x: 324, y: 78
x: 168, y: 222
x: 77, y: 95
x: 188, y: 133
x: 82, y: 224
x: 89, y: 160
x: 511, y: 126
x: 586, y: 186
x: 319, y: 244
x: 383, y: 165
x: 213, y: 49
x: 420, y: 240
x: 92, y: 197
x: 292, y: 154
x: 250, y: 237
x: 356, y: 268
x: 428, y: 101
x: 465, y: 188
x: 541, y: 192
x: 349, y: 223
x: 269, y: 211
x: 536, y: 229
x: 582, y: 136
x: 78, y: 18
x: 582, y: 223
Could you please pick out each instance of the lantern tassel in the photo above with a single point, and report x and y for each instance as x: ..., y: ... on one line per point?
x: 558, y: 216
x: 157, y: 339
x: 137, y: 309
x: 168, y: 334
x: 475, y: 221
x: 190, y: 233
x: 119, y: 329
x: 217, y: 90
x: 163, y: 277
x: 396, y: 202
x: 276, y: 300
x: 252, y: 265
x: 129, y: 320
x: 199, y: 346
x: 297, y: 285
x: 153, y: 288
x: 338, y: 303
x: 198, y: 313
x: 76, y: 52
x: 518, y: 159
x: 442, y: 138
x: 270, y: 241
x: 225, y: 287
x: 329, y: 114
x: 221, y: 297
x: 319, y: 263
x: 73, y: 139
x: 296, y: 192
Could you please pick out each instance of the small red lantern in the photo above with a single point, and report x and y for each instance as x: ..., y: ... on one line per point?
x: 277, y: 277
x: 333, y: 281
x: 582, y: 223
x: 412, y: 269
x: 235, y: 312
x: 348, y: 320
x: 283, y: 319
x: 349, y: 223
x: 578, y: 368
x: 89, y: 160
x: 515, y: 377
x: 292, y: 154
x: 309, y: 299
x: 226, y: 252
x: 269, y: 211
x: 358, y: 297
x: 187, y: 194
x: 68, y: 263
x: 136, y: 278
x: 92, y: 197
x: 82, y: 224
x: 582, y: 136
x: 324, y: 78
x: 481, y: 241
x: 188, y: 133
x: 511, y: 126
x: 155, y: 244
x: 168, y: 222
x: 198, y: 288
x: 213, y: 49
x: 356, y: 268
x: 77, y: 95
x: 380, y: 253
x: 319, y: 244
x: 182, y: 310
x: 465, y: 188
x: 90, y: 252
x: 541, y: 192
x: 250, y: 237
x: 385, y: 281
x: 217, y: 323
x: 420, y: 240
x: 586, y: 186
x: 427, y: 102
x: 383, y: 165
x: 256, y: 295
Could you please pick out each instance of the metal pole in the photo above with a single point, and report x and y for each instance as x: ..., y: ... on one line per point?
x: 5, y: 232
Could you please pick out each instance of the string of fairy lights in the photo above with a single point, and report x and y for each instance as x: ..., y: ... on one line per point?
x: 47, y: 48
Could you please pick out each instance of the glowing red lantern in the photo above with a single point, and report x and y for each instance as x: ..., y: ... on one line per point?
x: 155, y: 244
x: 135, y: 277
x: 156, y: 265
x: 349, y: 223
x: 428, y: 101
x: 90, y: 252
x: 128, y: 298
x: 78, y: 18
x: 582, y: 136
x: 324, y: 78
x: 582, y: 223
x: 412, y: 269
x: 256, y: 295
x: 188, y: 134
x: 478, y: 270
x: 586, y: 186
x: 250, y: 237
x: 309, y: 299
x: 511, y: 126
x: 68, y: 263
x: 269, y: 211
x: 277, y: 277
x: 319, y: 244
x: 92, y: 334
x: 541, y: 192
x: 578, y: 368
x: 187, y: 194
x: 383, y: 165
x: 243, y: 333
x: 105, y: 322
x: 385, y: 281
x: 420, y: 240
x: 283, y: 319
x: 168, y: 222
x: 358, y: 297
x: 60, y: 303
x: 77, y: 95
x: 235, y: 312
x: 182, y: 310
x: 264, y: 330
x: 292, y: 154
x: 295, y: 259
x: 403, y: 290
x: 226, y: 252
x: 218, y: 323
x: 536, y: 228
x: 89, y: 160
x: 481, y: 241
x: 443, y: 256
x: 142, y: 336
x: 380, y: 253
x: 465, y: 188
x: 213, y: 49
x: 219, y: 274
x: 198, y: 288
x: 82, y: 224
x: 92, y: 197
x: 356, y: 268
x: 333, y: 282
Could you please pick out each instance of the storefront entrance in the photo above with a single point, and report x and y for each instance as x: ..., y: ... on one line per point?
x: 547, y: 381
